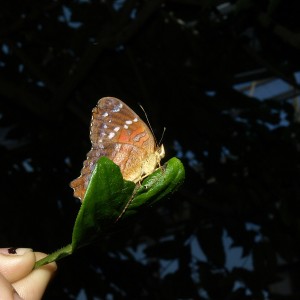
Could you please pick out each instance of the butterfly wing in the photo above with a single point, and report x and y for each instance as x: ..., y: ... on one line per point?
x: 118, y: 133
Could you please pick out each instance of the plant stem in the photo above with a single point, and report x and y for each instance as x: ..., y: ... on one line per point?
x: 55, y: 256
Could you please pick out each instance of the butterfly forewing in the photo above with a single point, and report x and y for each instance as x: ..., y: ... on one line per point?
x: 113, y: 121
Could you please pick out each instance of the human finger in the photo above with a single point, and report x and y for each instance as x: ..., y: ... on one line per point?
x: 7, y: 292
x: 33, y: 286
x: 16, y: 263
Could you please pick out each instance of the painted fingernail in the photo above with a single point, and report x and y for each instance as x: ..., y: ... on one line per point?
x: 21, y: 251
x: 12, y: 250
x: 15, y: 251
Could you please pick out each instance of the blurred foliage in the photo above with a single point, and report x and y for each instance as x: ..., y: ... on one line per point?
x: 181, y: 59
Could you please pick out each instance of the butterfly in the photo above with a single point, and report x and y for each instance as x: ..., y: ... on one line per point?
x: 118, y: 133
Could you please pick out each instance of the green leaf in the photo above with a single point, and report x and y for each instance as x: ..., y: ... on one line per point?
x: 162, y: 182
x: 106, y: 197
x: 109, y: 200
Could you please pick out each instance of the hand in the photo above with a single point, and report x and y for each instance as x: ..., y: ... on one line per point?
x: 18, y: 280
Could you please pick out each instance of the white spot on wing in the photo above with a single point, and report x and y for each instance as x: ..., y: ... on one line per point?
x: 128, y: 122
x: 118, y: 107
x: 105, y: 114
x: 126, y: 126
x: 116, y: 129
x: 105, y: 126
x: 111, y: 135
x: 135, y: 119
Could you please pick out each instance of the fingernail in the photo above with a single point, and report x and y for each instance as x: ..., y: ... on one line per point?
x: 21, y: 251
x: 12, y: 250
x: 15, y: 251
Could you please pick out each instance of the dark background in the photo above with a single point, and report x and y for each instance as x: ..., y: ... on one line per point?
x: 181, y: 60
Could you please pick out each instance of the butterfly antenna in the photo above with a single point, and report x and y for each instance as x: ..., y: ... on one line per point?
x: 162, y: 136
x: 146, y: 116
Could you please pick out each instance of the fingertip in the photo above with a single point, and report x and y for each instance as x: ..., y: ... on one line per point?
x: 16, y: 266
